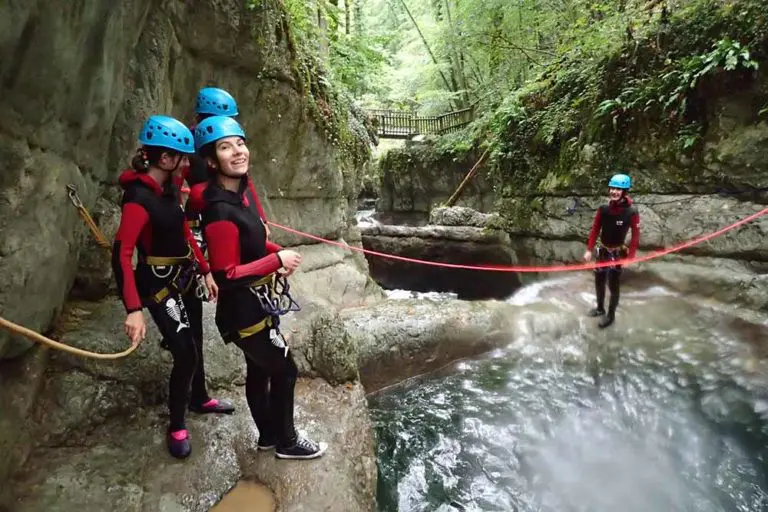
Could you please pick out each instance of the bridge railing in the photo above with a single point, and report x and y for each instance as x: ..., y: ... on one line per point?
x: 395, y: 124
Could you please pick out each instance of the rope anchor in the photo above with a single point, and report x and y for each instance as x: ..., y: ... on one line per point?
x: 83, y: 211
x: 72, y: 192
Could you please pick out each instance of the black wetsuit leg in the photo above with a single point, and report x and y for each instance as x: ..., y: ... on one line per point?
x: 172, y: 321
x: 270, y: 385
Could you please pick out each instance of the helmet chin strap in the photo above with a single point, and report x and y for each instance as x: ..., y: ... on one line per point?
x: 175, y: 167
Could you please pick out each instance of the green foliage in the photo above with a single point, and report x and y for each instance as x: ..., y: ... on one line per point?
x: 627, y: 81
x: 665, y: 94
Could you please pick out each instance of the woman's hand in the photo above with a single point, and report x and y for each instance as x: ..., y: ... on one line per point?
x: 291, y: 259
x: 588, y: 256
x: 213, y: 288
x: 135, y: 327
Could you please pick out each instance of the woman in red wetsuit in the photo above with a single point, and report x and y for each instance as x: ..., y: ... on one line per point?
x: 612, y: 223
x: 153, y: 222
x: 244, y: 264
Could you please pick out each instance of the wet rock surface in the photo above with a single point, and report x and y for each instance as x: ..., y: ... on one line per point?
x: 398, y: 339
x: 124, y: 464
x: 93, y: 432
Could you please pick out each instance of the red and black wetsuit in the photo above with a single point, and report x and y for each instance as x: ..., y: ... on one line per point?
x: 238, y: 250
x: 153, y: 222
x: 240, y: 254
x: 197, y: 173
x: 612, y: 223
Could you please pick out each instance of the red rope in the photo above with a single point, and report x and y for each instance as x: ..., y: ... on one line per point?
x: 516, y: 268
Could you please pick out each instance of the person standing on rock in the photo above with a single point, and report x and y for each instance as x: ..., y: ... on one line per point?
x: 244, y: 264
x: 612, y: 223
x: 153, y: 222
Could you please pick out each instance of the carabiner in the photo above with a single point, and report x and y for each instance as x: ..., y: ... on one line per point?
x: 72, y: 192
x: 201, y: 290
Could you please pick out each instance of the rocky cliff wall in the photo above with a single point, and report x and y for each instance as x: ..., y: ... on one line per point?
x: 416, y: 178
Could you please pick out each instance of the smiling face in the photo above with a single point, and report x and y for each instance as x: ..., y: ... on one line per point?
x: 233, y: 157
x: 615, y: 193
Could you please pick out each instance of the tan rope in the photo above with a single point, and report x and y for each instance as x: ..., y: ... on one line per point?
x: 39, y: 338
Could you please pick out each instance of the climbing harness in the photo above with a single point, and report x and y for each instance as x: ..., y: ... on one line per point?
x: 275, y: 297
x: 180, y: 271
x: 273, y: 294
x: 610, y: 254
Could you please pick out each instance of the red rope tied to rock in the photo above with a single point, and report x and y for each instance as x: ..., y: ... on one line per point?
x: 520, y: 268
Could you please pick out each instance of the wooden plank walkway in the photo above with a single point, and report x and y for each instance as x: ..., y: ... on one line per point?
x: 393, y: 124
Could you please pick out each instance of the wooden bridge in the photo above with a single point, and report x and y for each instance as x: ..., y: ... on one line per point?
x: 393, y: 124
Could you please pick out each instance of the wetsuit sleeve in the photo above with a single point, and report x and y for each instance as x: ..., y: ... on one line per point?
x: 595, y: 231
x: 272, y: 247
x: 256, y: 198
x: 634, y: 224
x: 204, y: 267
x: 196, y: 201
x: 132, y: 221
x: 224, y: 252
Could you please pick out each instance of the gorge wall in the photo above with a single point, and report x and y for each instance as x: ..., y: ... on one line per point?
x: 680, y: 196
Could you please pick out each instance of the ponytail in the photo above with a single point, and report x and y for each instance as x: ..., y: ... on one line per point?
x: 147, y: 156
x: 140, y: 161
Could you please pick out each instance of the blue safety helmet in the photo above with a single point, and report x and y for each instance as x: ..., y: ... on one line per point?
x: 620, y: 181
x: 167, y: 132
x: 215, y: 101
x: 215, y: 128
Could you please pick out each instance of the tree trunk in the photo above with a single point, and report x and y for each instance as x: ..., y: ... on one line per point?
x: 347, y: 16
x: 426, y: 45
x: 333, y: 25
x: 358, y: 23
x: 458, y: 59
